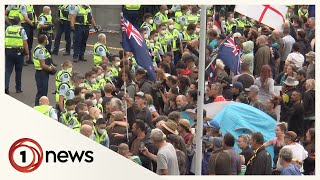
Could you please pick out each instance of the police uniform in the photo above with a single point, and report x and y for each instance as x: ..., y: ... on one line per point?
x: 70, y: 119
x: 40, y: 53
x: 63, y: 76
x: 165, y: 42
x: 301, y: 13
x: 63, y: 27
x: 131, y: 13
x: 241, y: 24
x: 230, y: 27
x: 82, y: 23
x: 181, y: 20
x: 159, y: 18
x: 147, y: 26
x: 90, y: 86
x: 20, y: 10
x: 175, y: 42
x: 46, y: 19
x: 99, y: 51
x: 47, y: 110
x: 14, y: 54
x: 102, y: 139
x: 193, y: 19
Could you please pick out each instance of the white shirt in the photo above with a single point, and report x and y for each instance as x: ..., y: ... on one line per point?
x: 298, y: 153
x: 22, y: 8
x: 297, y: 58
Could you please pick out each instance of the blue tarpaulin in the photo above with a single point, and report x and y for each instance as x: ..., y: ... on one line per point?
x: 238, y: 116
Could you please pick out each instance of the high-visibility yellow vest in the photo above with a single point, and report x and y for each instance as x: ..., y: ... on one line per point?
x: 84, y: 15
x: 164, y: 42
x: 174, y: 35
x: 101, y: 138
x: 64, y: 12
x: 71, y: 88
x: 58, y: 77
x: 144, y: 24
x: 240, y: 23
x: 15, y: 12
x: 193, y: 19
x: 13, y: 37
x: 36, y: 61
x: 301, y: 13
x: 44, y: 109
x: 30, y: 13
x: 186, y: 36
x: 163, y: 18
x: 70, y: 120
x: 229, y: 27
x: 177, y: 24
x: 97, y: 60
x: 48, y: 22
x: 114, y: 71
x: 132, y: 7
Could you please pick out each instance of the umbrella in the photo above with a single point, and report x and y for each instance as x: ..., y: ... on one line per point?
x: 239, y: 118
x: 214, y: 108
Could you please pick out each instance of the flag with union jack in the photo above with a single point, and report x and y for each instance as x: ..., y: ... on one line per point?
x: 212, y: 76
x: 132, y: 41
x: 229, y: 53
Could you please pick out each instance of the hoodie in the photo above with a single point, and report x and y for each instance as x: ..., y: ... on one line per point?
x: 248, y: 55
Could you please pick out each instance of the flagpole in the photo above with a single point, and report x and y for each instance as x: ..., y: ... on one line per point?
x: 201, y: 84
x: 125, y: 91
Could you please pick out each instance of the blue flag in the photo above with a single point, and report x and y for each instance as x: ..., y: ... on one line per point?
x: 133, y: 42
x: 212, y: 76
x: 230, y: 55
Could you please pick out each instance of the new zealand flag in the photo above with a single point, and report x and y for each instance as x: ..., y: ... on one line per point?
x: 133, y: 42
x: 230, y: 55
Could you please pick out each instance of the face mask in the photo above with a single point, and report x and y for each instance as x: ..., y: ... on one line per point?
x: 163, y: 32
x: 166, y: 12
x: 69, y: 69
x: 197, y: 29
x: 92, y: 136
x: 108, y: 74
x: 94, y: 102
x: 117, y: 63
x: 232, y: 20
x: 71, y: 112
x: 93, y: 81
x: 101, y: 131
x: 188, y: 12
x: 244, y: 18
x: 82, y: 96
x: 49, y: 12
x: 151, y: 45
x: 99, y: 77
x: 81, y: 85
x: 146, y: 36
x: 86, y: 112
x: 171, y: 26
x: 150, y: 21
x: 156, y: 38
x: 100, y: 101
x: 100, y: 116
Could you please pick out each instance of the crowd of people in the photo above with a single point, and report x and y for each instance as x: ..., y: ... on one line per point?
x: 118, y: 106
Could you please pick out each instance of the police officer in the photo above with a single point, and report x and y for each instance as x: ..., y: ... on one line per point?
x: 175, y: 40
x: 148, y: 22
x: 187, y: 35
x: 100, y: 132
x: 131, y: 13
x: 28, y: 21
x: 63, y: 76
x: 46, y: 26
x: 101, y: 53
x: 63, y: 27
x: 161, y: 16
x: 43, y: 65
x: 241, y: 23
x: 181, y: 20
x: 69, y: 116
x: 16, y: 47
x: 80, y: 19
x: 303, y: 11
x: 45, y: 108
x: 164, y: 38
x: 193, y: 16
x: 230, y: 24
x: 155, y: 46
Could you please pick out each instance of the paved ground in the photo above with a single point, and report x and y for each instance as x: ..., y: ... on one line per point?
x: 28, y: 80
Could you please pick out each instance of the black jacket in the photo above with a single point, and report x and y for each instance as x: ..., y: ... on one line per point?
x: 261, y: 164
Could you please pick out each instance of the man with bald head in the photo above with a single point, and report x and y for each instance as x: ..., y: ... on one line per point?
x: 45, y: 25
x: 101, y: 53
x: 262, y: 55
x: 182, y: 103
x: 86, y: 130
x: 45, y: 108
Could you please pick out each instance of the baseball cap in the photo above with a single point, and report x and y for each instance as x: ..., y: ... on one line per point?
x: 302, y: 72
x: 212, y: 124
x: 253, y: 88
x: 140, y: 94
x: 237, y: 85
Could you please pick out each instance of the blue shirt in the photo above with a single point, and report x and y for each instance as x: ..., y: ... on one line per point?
x: 291, y: 170
x: 213, y: 43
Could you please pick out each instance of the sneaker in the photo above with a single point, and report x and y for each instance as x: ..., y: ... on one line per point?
x: 6, y: 91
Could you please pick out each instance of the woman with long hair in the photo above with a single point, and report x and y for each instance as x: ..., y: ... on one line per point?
x: 310, y: 147
x: 265, y: 84
x: 278, y: 141
x: 290, y: 72
x: 309, y: 99
x: 130, y: 84
x: 270, y: 106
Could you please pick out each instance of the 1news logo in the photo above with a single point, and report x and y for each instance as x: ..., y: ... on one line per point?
x: 26, y: 155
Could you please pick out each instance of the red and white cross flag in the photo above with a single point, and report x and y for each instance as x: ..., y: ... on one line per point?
x: 271, y: 15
